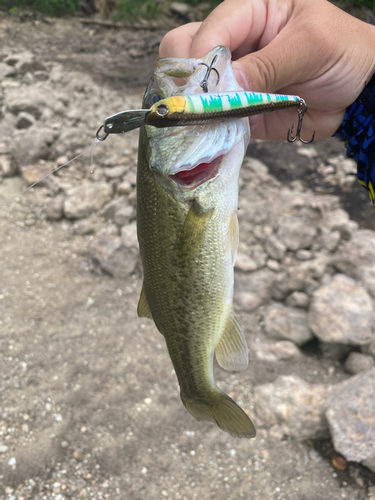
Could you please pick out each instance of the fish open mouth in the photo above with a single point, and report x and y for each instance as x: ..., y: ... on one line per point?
x: 199, y: 174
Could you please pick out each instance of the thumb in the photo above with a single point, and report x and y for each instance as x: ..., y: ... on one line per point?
x: 288, y: 59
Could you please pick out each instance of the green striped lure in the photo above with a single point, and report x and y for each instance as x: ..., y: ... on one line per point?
x: 203, y: 109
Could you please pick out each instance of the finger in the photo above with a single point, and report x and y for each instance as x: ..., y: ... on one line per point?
x: 177, y: 43
x: 291, y: 57
x: 234, y: 23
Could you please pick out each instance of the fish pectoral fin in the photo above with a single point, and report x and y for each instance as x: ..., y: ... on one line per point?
x: 233, y: 236
x: 231, y: 351
x: 143, y: 310
x: 193, y: 231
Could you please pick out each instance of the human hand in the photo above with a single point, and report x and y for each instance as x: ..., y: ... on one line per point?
x: 310, y: 49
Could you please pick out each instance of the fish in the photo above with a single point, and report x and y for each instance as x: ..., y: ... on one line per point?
x: 188, y: 233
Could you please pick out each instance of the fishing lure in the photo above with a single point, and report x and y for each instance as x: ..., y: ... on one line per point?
x: 202, y: 109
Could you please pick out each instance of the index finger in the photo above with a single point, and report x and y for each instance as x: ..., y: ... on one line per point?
x: 178, y: 42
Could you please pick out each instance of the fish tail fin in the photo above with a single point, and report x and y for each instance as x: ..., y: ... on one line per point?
x: 223, y: 411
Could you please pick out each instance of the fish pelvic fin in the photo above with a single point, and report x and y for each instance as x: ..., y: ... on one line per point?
x: 143, y: 309
x: 232, y: 352
x: 224, y: 412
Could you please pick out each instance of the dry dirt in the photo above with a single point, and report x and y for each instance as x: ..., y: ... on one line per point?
x: 89, y: 403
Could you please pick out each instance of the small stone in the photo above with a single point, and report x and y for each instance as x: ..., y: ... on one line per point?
x: 245, y: 263
x: 115, y: 172
x: 7, y: 166
x: 274, y: 247
x: 298, y: 299
x: 120, y: 211
x: 113, y: 256
x: 129, y: 236
x: 84, y: 227
x: 124, y: 188
x: 275, y: 351
x: 304, y: 255
x: 357, y: 362
x: 64, y: 444
x: 83, y: 494
x: 3, y: 448
x: 180, y: 8
x: 294, y: 404
x: 78, y: 455
x: 287, y: 323
x: 273, y: 265
x: 341, y: 312
x: 247, y: 301
x: 339, y: 463
x: 12, y: 462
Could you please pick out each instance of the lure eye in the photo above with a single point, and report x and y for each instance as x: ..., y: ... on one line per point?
x: 151, y: 99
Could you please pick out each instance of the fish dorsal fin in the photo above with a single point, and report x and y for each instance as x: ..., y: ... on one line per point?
x: 143, y: 310
x: 233, y: 236
x: 193, y: 231
x: 231, y: 351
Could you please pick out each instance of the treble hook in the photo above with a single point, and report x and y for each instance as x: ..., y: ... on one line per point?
x: 204, y: 82
x: 302, y: 108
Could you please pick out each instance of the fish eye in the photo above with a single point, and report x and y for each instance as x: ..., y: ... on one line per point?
x: 151, y: 99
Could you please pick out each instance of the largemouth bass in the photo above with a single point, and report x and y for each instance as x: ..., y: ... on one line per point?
x: 187, y: 196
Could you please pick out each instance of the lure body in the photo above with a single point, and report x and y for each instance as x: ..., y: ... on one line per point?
x: 199, y: 109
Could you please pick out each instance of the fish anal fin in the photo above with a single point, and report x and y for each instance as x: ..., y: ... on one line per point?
x: 233, y: 236
x: 231, y: 351
x: 143, y: 310
x: 193, y: 231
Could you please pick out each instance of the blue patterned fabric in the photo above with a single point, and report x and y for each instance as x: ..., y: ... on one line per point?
x: 358, y: 132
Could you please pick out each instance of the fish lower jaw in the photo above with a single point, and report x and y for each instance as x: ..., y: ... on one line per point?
x: 200, y: 174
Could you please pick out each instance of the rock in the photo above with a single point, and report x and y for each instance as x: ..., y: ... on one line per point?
x: 31, y: 145
x: 3, y: 448
x: 84, y: 227
x: 338, y: 220
x: 274, y: 247
x: 357, y: 362
x: 275, y: 351
x: 124, y: 188
x: 294, y: 279
x: 258, y: 282
x: 369, y: 348
x: 273, y: 265
x: 304, y: 254
x: 330, y: 239
x: 294, y: 404
x: 247, y: 301
x: 129, y: 236
x: 120, y: 211
x: 357, y: 258
x: 296, y: 233
x: 298, y: 299
x: 245, y: 263
x: 350, y: 411
x: 85, y: 199
x: 341, y: 312
x: 36, y: 173
x: 34, y: 100
x: 370, y: 464
x: 287, y: 323
x: 113, y: 257
x: 180, y: 8
x: 25, y: 120
x: 55, y: 208
x: 115, y: 172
